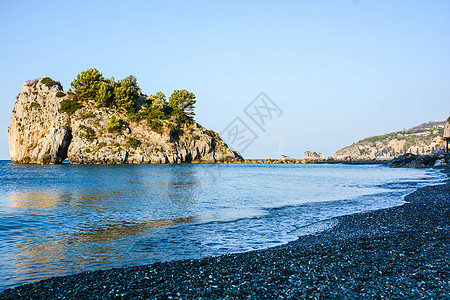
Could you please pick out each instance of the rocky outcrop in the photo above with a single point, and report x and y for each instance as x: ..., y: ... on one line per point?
x: 314, y: 156
x: 281, y: 160
x: 39, y: 133
x: 420, y: 161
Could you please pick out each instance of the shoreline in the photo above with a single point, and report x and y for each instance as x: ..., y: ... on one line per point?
x: 246, y: 161
x: 399, y: 252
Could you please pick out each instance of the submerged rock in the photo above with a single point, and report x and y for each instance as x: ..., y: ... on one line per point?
x: 39, y: 133
x: 440, y: 163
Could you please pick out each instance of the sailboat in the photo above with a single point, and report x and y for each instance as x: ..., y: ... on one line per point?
x: 281, y: 150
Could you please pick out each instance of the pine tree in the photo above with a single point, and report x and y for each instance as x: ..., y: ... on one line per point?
x: 86, y: 85
x: 126, y: 92
x: 183, y: 101
x: 105, y: 93
x: 158, y: 101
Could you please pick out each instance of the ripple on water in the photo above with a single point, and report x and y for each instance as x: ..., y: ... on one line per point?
x: 62, y: 219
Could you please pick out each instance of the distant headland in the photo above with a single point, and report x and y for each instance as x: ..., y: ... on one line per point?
x: 424, y: 139
x: 104, y: 121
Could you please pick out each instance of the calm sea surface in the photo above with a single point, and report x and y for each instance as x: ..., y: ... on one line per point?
x: 63, y: 219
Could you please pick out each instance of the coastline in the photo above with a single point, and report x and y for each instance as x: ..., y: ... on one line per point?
x: 400, y: 252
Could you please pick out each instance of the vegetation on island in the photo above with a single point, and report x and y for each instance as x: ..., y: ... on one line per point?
x: 125, y: 95
x: 48, y: 81
x: 101, y: 120
x: 34, y: 104
x: 60, y: 94
x: 115, y: 125
x: 70, y: 106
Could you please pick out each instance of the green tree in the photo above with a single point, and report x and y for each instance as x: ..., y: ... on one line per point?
x: 105, y: 93
x: 133, y: 142
x: 69, y: 106
x: 156, y: 114
x: 183, y: 101
x: 87, y: 84
x: 126, y: 92
x: 158, y: 101
x: 115, y: 125
x: 60, y: 94
x: 48, y: 81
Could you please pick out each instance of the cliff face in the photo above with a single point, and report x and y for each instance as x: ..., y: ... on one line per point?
x: 423, y: 139
x: 40, y: 134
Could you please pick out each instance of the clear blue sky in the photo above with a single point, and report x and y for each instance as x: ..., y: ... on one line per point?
x: 339, y: 70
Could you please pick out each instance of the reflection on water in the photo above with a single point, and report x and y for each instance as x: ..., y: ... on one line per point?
x: 34, y: 199
x: 57, y: 220
x: 90, y: 245
x: 78, y: 217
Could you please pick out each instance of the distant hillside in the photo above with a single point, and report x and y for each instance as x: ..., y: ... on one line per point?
x: 425, y: 138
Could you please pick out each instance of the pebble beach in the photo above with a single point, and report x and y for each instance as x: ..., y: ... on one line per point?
x: 396, y: 253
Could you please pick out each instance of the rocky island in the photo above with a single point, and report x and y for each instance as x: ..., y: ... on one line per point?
x: 103, y: 121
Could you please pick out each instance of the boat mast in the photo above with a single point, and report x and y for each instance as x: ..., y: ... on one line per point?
x: 280, y: 149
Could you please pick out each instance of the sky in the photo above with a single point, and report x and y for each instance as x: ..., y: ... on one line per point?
x: 331, y: 72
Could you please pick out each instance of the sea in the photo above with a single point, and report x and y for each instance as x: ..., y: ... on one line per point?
x: 63, y: 219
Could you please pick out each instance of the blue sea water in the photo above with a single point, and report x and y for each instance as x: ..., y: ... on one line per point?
x: 63, y: 219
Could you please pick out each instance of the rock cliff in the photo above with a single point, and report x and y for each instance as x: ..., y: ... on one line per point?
x: 425, y: 139
x: 41, y: 134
